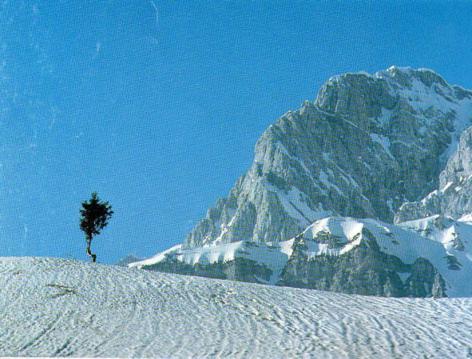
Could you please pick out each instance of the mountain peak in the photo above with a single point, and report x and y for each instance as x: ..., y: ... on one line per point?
x: 402, y: 75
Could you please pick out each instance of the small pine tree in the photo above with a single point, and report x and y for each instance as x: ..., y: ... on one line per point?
x: 94, y: 216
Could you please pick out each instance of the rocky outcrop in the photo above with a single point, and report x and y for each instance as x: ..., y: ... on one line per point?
x: 424, y: 280
x: 453, y: 198
x: 363, y: 270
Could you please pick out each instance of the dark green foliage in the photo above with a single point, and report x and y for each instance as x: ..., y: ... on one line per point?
x: 94, y: 216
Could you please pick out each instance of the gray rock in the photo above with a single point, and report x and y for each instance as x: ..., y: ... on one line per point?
x: 425, y: 280
x: 364, y: 270
x: 453, y: 198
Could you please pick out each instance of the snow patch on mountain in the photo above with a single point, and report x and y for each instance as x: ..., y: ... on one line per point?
x: 156, y: 258
x: 456, y: 238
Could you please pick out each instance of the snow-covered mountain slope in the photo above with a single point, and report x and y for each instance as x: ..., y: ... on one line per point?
x: 367, y: 144
x: 336, y: 253
x: 55, y: 307
x: 454, y: 235
x: 371, y: 257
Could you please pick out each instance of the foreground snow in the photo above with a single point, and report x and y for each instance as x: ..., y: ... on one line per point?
x: 55, y: 307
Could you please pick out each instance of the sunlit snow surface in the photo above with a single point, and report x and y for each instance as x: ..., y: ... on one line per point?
x: 55, y: 307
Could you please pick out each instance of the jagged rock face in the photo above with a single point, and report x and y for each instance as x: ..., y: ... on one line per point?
x: 459, y: 165
x: 424, y: 281
x: 365, y: 146
x: 454, y: 196
x: 365, y: 270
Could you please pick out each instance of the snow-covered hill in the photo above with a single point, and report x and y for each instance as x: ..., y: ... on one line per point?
x: 56, y: 307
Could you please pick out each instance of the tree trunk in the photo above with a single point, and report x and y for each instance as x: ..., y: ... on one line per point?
x: 89, y: 251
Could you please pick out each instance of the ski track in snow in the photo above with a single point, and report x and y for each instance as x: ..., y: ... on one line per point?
x: 57, y: 307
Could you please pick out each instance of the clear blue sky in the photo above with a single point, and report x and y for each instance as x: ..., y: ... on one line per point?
x: 159, y: 110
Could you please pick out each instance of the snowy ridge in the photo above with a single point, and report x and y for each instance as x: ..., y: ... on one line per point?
x: 272, y: 257
x: 456, y: 238
x: 121, y: 312
x: 156, y: 258
x: 435, y: 245
x: 345, y: 235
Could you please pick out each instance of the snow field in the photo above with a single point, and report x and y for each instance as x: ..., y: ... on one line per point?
x: 56, y: 307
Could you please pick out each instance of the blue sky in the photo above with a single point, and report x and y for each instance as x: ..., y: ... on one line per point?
x: 157, y: 105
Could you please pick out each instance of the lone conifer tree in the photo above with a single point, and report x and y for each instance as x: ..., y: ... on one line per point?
x: 94, y: 216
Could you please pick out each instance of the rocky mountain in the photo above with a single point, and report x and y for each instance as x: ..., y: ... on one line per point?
x: 366, y: 145
x: 393, y: 145
x: 367, y: 257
